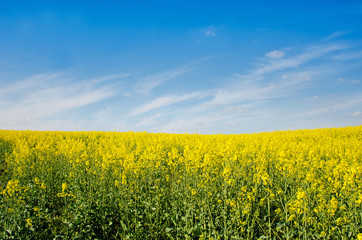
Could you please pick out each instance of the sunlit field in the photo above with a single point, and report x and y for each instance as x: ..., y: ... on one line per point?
x: 304, y: 184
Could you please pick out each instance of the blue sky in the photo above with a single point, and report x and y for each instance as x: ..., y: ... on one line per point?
x: 180, y: 66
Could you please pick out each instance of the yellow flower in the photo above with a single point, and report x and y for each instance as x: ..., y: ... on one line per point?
x: 64, y: 187
x: 62, y: 194
x: 359, y: 236
x: 28, y: 222
x: 193, y: 191
x: 359, y: 200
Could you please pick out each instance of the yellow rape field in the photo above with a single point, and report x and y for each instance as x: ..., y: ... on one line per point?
x: 304, y: 184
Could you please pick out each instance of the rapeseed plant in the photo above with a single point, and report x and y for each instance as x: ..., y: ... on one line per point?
x: 303, y: 184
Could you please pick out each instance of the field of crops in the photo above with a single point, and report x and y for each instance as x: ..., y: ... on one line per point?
x: 304, y: 184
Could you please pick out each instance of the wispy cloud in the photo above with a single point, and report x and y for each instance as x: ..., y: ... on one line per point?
x: 349, y: 81
x: 28, y: 83
x: 192, y: 123
x: 296, y: 61
x: 163, y: 102
x: 336, y: 34
x: 106, y: 78
x: 260, y: 84
x: 46, y: 96
x: 275, y: 54
x: 251, y: 98
x: 356, y: 114
x: 151, y: 81
x: 210, y: 33
x: 247, y: 92
x: 277, y: 89
x: 149, y: 121
x: 347, y: 56
x: 337, y: 104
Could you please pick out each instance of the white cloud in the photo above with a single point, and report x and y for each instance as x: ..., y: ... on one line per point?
x: 249, y: 99
x: 149, y: 121
x: 27, y: 102
x: 296, y: 61
x: 342, y: 103
x: 210, y: 33
x: 247, y: 88
x: 149, y: 82
x: 275, y: 54
x: 356, y: 114
x: 106, y: 78
x: 163, y: 102
x: 241, y: 99
x: 347, y: 56
x: 348, y: 81
x: 243, y: 94
x: 192, y: 124
x: 336, y: 35
x: 28, y: 83
x: 274, y: 90
x: 341, y: 80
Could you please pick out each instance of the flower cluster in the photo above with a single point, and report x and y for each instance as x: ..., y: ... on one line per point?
x: 303, y: 184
